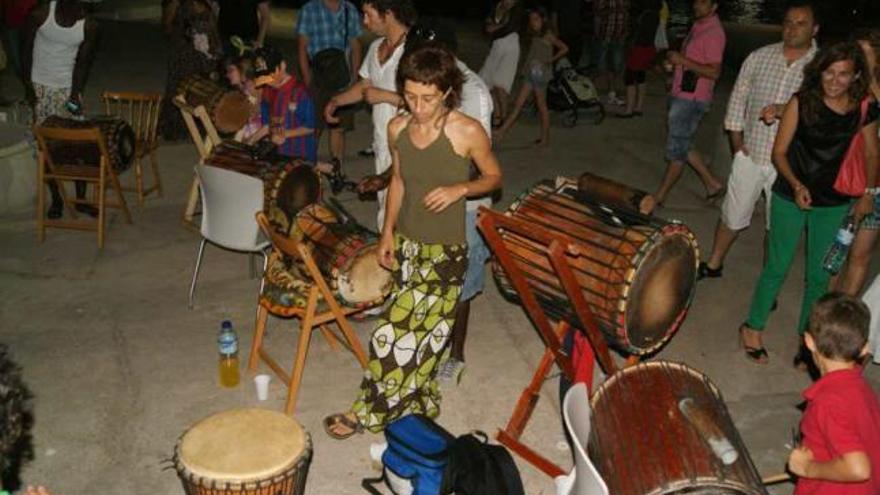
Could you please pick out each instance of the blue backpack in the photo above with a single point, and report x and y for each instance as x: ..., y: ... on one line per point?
x: 417, y: 452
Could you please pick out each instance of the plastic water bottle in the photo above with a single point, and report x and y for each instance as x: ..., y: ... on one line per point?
x: 227, y: 342
x: 839, y: 249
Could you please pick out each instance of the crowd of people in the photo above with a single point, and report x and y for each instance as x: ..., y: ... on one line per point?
x: 791, y: 118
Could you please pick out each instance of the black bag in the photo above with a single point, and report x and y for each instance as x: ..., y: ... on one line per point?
x: 330, y: 66
x: 478, y: 468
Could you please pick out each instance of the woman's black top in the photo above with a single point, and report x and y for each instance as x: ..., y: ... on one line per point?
x: 817, y: 150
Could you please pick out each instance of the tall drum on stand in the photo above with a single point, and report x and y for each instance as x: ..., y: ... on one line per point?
x: 244, y: 452
x: 636, y: 273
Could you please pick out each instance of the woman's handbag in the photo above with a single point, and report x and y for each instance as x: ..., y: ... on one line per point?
x: 852, y: 179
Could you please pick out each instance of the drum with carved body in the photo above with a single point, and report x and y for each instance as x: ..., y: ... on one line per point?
x: 346, y: 253
x: 636, y: 273
x: 244, y: 452
x: 229, y: 109
x: 661, y: 428
x: 118, y: 136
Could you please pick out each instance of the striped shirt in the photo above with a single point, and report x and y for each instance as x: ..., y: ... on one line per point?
x: 766, y: 78
x: 290, y: 107
x: 326, y: 28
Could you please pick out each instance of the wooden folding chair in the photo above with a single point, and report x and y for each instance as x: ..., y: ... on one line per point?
x: 141, y: 111
x: 205, y: 137
x: 100, y: 174
x: 317, y: 292
x: 555, y: 248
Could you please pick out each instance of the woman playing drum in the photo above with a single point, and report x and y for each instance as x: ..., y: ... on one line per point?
x: 432, y: 147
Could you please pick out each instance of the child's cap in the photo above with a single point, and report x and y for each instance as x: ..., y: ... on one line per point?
x: 267, y: 59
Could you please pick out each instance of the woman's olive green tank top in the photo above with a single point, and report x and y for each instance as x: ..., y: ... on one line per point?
x: 423, y: 170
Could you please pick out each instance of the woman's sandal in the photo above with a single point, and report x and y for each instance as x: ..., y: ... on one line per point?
x: 352, y: 425
x: 757, y: 355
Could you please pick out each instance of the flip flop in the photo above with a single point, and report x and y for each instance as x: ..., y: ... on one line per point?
x: 757, y: 355
x: 332, y: 420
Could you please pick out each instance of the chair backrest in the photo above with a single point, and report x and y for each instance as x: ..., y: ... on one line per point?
x: 229, y: 202
x: 140, y: 110
x: 211, y: 138
x: 576, y: 410
x: 46, y: 135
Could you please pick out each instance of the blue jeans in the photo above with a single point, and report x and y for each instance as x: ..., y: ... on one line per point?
x: 683, y: 120
x: 609, y: 55
x: 478, y: 253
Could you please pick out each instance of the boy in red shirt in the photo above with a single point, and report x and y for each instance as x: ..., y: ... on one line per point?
x: 840, y: 452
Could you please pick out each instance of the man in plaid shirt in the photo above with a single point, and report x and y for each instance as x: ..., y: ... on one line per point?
x: 612, y: 28
x: 322, y: 25
x: 767, y: 80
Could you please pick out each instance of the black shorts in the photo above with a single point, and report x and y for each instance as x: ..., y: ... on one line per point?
x: 345, y: 114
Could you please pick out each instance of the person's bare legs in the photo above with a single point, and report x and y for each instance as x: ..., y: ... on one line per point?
x: 710, y: 182
x: 724, y: 238
x: 853, y: 279
x: 544, y: 114
x: 500, y: 97
x: 524, y: 92
x: 673, y: 172
x: 631, y: 99
x: 337, y: 143
x: 640, y: 97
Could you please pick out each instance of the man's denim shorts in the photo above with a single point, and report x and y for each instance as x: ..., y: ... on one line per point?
x: 684, y: 119
x: 478, y: 253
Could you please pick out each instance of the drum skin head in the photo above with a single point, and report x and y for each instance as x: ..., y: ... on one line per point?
x: 242, y: 445
x: 662, y: 290
x: 366, y: 280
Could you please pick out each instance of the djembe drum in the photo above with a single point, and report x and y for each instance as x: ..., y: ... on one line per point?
x: 636, y: 273
x: 661, y: 428
x: 244, y: 452
x: 346, y: 253
x: 229, y: 109
x: 118, y: 135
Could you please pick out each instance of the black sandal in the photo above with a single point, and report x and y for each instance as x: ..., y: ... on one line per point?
x: 354, y: 426
x: 757, y: 355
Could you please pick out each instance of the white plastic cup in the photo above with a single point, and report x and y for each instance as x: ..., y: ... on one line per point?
x: 262, y: 383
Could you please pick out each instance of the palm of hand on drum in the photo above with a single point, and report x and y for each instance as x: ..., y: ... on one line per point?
x: 441, y: 197
x: 386, y: 252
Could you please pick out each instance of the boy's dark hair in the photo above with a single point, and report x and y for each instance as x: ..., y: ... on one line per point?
x: 404, y: 10
x: 266, y: 59
x: 15, y: 414
x: 803, y: 4
x: 432, y: 64
x: 839, y: 326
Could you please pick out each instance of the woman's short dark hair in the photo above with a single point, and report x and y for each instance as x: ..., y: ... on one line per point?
x: 404, y: 10
x: 811, y: 94
x: 432, y: 64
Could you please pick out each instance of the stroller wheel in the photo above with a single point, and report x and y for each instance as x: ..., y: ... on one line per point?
x: 570, y: 119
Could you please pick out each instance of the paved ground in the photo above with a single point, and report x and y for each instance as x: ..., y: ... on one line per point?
x: 120, y: 367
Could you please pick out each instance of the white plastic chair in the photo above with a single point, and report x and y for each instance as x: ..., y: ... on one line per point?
x: 230, y: 201
x: 583, y: 479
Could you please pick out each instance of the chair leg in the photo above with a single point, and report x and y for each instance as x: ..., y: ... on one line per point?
x: 102, y: 205
x: 192, y: 286
x: 139, y: 180
x: 263, y: 273
x: 302, y: 350
x: 157, y: 182
x: 41, y: 200
x: 191, y: 201
x: 257, y: 343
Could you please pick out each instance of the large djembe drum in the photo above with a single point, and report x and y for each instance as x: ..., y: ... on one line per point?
x: 229, y: 109
x: 244, y: 452
x: 636, y: 273
x: 661, y: 428
x: 118, y: 136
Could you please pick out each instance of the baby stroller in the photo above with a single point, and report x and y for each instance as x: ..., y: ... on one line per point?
x: 570, y: 91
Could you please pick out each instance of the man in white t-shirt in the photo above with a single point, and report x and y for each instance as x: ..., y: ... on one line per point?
x: 390, y: 20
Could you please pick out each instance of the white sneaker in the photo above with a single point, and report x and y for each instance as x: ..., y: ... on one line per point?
x: 450, y: 371
x: 612, y: 99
